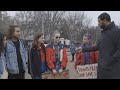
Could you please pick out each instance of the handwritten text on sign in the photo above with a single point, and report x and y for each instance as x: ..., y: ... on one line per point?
x: 87, y: 71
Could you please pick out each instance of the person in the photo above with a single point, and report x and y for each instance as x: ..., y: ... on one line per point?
x: 38, y: 57
x: 72, y: 50
x: 2, y: 54
x: 109, y: 49
x: 56, y: 54
x: 84, y: 58
x: 16, y: 55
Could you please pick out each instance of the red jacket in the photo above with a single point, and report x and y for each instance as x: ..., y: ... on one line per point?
x: 42, y: 55
x: 50, y: 57
x: 80, y: 58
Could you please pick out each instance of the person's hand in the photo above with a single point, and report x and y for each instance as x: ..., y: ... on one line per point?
x: 60, y: 70
x: 54, y: 71
x: 79, y: 49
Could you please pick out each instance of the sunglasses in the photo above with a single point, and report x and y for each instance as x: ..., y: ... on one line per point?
x: 57, y: 37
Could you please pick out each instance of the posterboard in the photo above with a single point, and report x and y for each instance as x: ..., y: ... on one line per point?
x: 87, y: 71
x: 63, y: 75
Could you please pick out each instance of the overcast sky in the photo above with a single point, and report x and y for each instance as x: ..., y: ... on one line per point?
x: 115, y: 16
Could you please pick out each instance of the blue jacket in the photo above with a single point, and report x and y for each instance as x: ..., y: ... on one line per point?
x: 2, y: 60
x: 72, y: 50
x: 11, y: 57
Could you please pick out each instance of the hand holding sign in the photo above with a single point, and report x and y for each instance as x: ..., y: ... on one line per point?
x: 54, y: 71
x: 60, y: 70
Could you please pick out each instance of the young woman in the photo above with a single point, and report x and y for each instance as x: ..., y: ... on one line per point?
x: 2, y: 57
x: 38, y: 57
x: 56, y: 54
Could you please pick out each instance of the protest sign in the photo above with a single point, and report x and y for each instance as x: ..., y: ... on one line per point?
x: 87, y: 71
x: 63, y: 75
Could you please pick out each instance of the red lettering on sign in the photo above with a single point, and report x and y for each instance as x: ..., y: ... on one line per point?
x: 81, y: 74
x: 89, y: 74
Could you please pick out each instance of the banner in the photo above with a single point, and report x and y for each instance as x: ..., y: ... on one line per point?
x: 63, y: 75
x: 87, y: 71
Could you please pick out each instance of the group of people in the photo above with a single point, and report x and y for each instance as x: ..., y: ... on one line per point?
x: 53, y: 57
x: 13, y: 55
x: 109, y: 49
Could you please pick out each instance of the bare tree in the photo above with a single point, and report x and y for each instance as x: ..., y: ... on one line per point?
x: 4, y: 21
x: 71, y: 24
x: 76, y: 24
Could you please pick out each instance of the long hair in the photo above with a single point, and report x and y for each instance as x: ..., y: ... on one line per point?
x: 10, y: 32
x: 36, y: 43
x: 1, y: 42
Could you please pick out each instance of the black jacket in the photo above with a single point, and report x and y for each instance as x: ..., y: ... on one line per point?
x: 109, y: 53
x: 34, y: 63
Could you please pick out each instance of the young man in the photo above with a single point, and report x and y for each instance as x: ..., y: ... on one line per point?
x: 56, y: 54
x: 84, y: 58
x: 16, y: 56
x: 109, y: 49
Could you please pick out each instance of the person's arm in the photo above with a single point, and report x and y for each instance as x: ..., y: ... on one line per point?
x: 34, y: 61
x: 92, y: 48
x: 6, y: 57
x: 64, y: 59
x: 1, y: 67
x: 116, y: 55
x: 96, y: 56
x: 48, y: 59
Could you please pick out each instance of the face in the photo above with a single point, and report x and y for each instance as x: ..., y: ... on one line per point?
x: 85, y: 40
x: 4, y: 41
x: 16, y: 33
x: 101, y: 23
x: 41, y: 39
x: 57, y: 37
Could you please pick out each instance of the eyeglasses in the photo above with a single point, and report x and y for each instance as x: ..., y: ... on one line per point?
x: 57, y: 37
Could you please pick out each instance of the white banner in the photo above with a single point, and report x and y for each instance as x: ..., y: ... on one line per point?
x: 87, y: 71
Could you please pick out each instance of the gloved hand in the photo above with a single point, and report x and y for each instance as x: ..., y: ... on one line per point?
x: 54, y: 71
x: 60, y: 70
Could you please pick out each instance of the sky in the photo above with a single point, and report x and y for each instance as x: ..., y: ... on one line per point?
x: 115, y: 16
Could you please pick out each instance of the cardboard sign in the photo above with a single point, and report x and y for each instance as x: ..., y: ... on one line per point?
x: 63, y: 75
x: 87, y: 71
